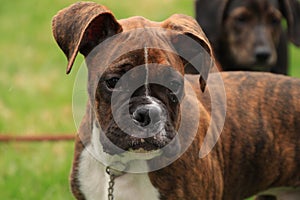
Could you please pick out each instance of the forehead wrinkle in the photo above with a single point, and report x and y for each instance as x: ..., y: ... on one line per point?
x: 147, y: 70
x: 257, y: 6
x: 163, y: 57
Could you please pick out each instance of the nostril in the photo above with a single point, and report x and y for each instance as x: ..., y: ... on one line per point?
x: 142, y: 116
x: 146, y: 115
x: 261, y: 57
x: 262, y: 54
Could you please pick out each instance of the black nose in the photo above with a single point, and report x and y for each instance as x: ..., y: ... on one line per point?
x: 262, y: 54
x: 147, y: 115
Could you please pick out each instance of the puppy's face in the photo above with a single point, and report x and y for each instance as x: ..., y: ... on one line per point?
x: 135, y: 79
x: 137, y: 101
x: 251, y: 32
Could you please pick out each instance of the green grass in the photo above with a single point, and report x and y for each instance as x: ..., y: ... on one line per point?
x: 35, y: 171
x: 294, y: 61
x: 36, y: 95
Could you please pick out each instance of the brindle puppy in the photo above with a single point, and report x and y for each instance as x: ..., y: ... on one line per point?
x: 248, y: 34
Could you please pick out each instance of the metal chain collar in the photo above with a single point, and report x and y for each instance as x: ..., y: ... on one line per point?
x: 111, y: 183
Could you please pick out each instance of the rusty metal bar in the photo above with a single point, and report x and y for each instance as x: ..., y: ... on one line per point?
x: 36, y: 138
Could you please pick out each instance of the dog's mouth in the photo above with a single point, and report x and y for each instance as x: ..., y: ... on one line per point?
x: 115, y: 141
x: 142, y: 146
x: 260, y: 66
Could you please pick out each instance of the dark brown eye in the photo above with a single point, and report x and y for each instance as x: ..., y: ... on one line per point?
x: 275, y: 21
x: 241, y: 19
x: 112, y: 82
x: 173, y: 98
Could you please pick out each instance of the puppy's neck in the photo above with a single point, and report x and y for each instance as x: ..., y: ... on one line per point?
x: 94, y: 180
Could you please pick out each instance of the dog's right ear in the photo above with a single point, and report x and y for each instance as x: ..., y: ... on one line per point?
x: 187, y: 41
x: 81, y: 27
x: 209, y: 14
x: 291, y: 11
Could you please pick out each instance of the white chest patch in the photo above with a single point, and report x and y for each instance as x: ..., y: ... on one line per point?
x: 94, y: 180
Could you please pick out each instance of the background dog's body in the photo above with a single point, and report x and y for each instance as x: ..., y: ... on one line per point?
x: 258, y: 148
x: 261, y: 133
x: 247, y: 34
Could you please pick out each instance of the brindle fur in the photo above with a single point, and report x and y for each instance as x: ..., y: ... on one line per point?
x: 259, y: 147
x: 247, y: 34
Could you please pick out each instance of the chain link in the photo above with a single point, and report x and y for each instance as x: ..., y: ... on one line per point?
x: 111, y: 184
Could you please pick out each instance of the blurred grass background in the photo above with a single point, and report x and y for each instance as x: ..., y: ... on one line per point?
x: 36, y: 95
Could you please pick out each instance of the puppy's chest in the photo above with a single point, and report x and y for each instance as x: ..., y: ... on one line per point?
x: 94, y: 182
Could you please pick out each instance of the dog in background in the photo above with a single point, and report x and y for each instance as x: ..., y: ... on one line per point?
x: 248, y: 34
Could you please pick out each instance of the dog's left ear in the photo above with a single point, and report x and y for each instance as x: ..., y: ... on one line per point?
x: 81, y: 27
x: 291, y: 11
x: 192, y: 46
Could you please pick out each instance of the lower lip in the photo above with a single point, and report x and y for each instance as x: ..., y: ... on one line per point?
x: 142, y: 150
